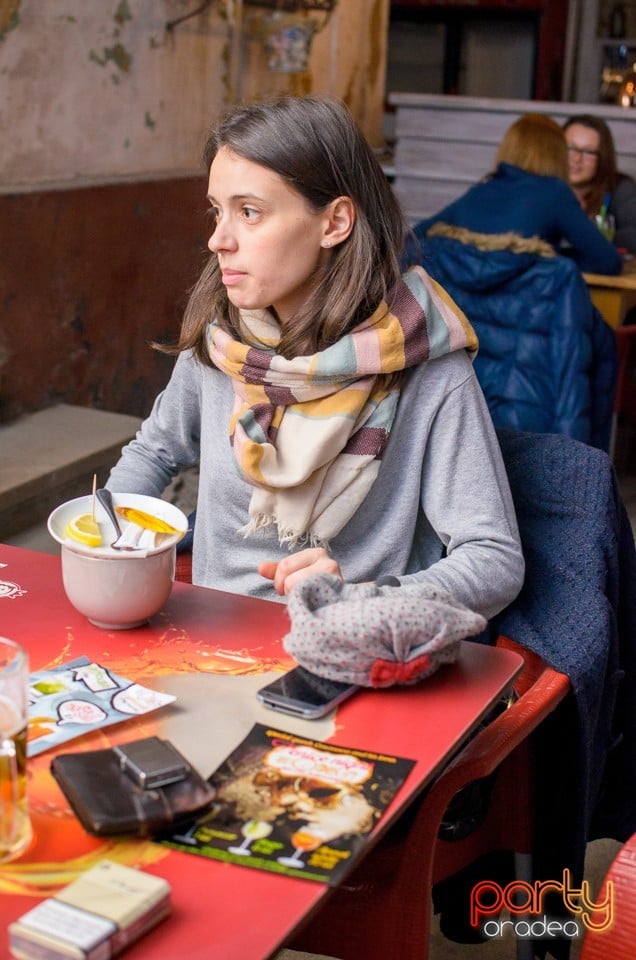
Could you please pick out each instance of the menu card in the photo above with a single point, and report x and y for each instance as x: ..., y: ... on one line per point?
x: 294, y: 806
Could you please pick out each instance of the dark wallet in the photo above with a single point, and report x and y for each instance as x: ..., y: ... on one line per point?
x: 107, y: 801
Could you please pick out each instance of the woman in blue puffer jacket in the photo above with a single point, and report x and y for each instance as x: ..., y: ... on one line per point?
x: 528, y: 193
x: 547, y: 360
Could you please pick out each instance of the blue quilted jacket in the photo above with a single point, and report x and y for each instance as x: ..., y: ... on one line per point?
x: 547, y: 360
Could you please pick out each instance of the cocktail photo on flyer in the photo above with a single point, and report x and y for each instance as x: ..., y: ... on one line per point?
x: 294, y: 806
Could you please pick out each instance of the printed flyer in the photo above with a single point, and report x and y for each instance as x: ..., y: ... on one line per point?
x: 294, y: 806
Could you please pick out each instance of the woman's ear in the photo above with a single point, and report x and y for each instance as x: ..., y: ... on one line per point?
x: 340, y: 218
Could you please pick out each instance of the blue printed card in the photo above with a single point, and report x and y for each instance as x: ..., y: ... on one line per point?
x: 79, y: 697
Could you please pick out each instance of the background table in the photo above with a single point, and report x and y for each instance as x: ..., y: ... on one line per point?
x: 216, y: 649
x: 614, y: 296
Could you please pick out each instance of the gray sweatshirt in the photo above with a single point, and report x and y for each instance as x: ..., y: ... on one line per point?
x: 440, y: 511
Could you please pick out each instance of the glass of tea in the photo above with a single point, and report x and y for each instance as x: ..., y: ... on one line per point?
x: 15, y: 825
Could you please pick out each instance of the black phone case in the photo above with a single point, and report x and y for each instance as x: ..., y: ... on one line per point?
x: 107, y: 802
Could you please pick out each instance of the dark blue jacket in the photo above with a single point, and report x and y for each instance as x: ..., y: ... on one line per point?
x: 547, y: 360
x: 577, y: 611
x: 514, y: 200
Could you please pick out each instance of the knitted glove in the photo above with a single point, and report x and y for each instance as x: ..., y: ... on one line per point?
x: 375, y: 636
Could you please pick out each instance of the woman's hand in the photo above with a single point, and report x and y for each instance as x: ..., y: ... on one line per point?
x: 296, y: 567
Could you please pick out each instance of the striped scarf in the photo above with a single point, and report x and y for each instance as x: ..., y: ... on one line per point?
x: 309, y: 433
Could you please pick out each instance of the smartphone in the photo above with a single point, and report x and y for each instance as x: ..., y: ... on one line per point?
x: 152, y: 762
x: 303, y: 694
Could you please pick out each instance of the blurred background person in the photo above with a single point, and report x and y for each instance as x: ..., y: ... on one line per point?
x: 601, y: 189
x: 547, y: 360
x: 528, y: 194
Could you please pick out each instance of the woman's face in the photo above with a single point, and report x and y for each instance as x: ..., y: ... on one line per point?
x: 583, y: 152
x: 268, y: 241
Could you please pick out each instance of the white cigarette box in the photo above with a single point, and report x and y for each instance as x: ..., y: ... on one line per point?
x: 93, y: 918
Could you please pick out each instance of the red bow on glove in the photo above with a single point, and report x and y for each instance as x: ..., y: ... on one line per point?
x: 384, y: 673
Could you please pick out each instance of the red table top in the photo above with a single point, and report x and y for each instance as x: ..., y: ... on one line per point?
x: 219, y: 909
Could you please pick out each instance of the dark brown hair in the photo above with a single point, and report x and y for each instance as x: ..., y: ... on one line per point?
x: 314, y: 144
x: 606, y: 176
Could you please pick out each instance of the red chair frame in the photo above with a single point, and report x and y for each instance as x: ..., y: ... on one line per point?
x: 616, y: 943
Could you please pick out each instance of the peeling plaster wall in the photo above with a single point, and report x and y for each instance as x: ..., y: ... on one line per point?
x: 348, y: 60
x: 98, y: 89
x: 102, y: 120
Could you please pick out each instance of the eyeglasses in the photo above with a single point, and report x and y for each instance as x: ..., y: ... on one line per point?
x: 582, y: 152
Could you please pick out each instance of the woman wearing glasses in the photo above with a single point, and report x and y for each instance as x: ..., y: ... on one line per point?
x: 527, y: 194
x: 600, y: 188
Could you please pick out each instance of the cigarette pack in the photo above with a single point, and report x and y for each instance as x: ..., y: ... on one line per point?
x: 94, y: 918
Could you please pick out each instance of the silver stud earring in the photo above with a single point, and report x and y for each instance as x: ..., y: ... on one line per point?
x: 327, y: 243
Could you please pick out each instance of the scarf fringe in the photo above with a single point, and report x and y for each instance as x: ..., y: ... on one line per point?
x: 288, y: 538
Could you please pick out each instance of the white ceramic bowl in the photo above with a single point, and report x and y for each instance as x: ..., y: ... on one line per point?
x: 114, y: 589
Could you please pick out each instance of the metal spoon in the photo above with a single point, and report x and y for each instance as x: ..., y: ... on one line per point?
x: 106, y: 500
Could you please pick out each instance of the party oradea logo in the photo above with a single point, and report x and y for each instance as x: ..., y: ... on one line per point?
x: 526, y: 904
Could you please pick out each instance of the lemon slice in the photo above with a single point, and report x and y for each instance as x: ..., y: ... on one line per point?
x: 85, y: 530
